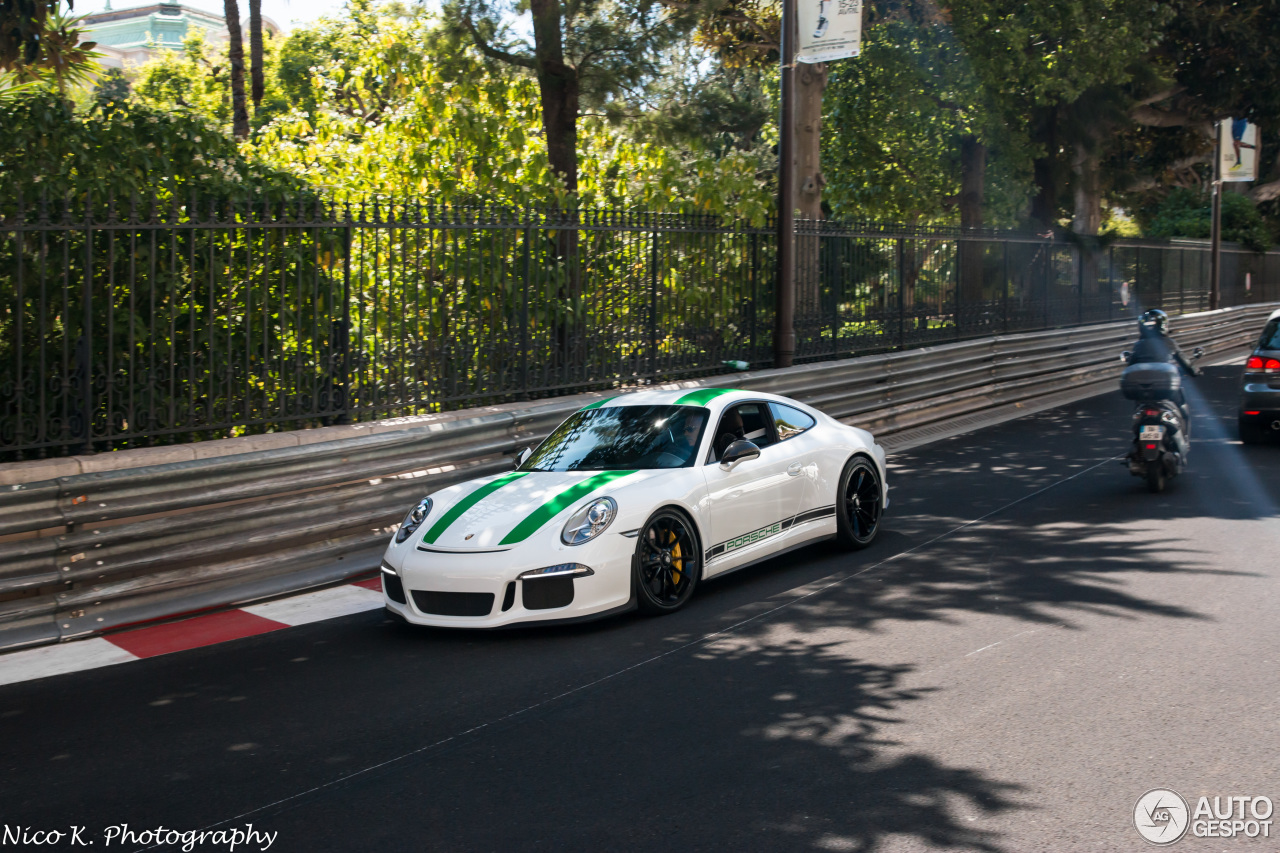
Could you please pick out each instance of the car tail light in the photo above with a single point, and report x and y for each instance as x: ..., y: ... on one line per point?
x: 1257, y: 362
x: 1253, y: 413
x: 1151, y: 447
x: 1151, y: 413
x: 1254, y: 363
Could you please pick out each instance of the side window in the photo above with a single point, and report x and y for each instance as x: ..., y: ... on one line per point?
x: 747, y: 421
x: 790, y: 422
x: 1270, y: 336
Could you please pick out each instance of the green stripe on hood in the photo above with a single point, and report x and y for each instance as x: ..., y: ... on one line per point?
x: 702, y: 396
x: 551, y: 508
x: 438, y: 529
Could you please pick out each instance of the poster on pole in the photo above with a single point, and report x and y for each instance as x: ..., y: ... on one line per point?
x: 829, y: 29
x: 1238, y: 145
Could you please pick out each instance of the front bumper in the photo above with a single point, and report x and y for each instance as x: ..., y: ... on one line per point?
x: 484, y: 589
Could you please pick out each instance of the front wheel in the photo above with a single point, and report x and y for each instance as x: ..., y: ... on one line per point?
x: 1155, y: 476
x: 667, y: 563
x: 859, y: 503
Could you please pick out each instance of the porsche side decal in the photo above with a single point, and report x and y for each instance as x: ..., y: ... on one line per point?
x: 702, y: 395
x: 438, y: 529
x: 551, y: 508
x: 725, y: 548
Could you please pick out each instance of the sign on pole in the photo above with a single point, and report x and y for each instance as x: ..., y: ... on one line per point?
x: 829, y: 29
x: 1238, y: 144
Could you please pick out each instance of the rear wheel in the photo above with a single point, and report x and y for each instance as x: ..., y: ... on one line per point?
x: 667, y: 563
x: 859, y: 503
x: 1155, y: 476
x: 1251, y: 433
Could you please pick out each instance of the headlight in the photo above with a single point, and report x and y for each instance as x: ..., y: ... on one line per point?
x: 414, y: 519
x: 589, y: 521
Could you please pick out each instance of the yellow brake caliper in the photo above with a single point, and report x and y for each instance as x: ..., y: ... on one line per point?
x: 677, y: 564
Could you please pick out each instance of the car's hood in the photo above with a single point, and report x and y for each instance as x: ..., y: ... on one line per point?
x: 496, y: 513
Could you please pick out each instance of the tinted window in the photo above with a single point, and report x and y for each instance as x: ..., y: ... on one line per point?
x: 790, y: 422
x: 1270, y: 336
x: 622, y: 438
x: 744, y: 421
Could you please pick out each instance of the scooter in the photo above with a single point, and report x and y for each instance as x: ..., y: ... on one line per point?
x: 1161, y: 423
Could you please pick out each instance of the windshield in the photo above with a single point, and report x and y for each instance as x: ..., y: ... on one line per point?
x: 622, y: 438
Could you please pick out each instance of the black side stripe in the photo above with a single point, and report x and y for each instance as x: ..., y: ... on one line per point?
x: 803, y: 518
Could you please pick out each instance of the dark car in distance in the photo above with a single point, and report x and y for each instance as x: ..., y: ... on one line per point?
x: 1260, y: 389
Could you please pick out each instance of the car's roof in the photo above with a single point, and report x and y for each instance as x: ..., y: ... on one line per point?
x: 709, y: 397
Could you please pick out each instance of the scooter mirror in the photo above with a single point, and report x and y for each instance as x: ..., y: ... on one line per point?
x: 1125, y: 356
x: 1198, y: 352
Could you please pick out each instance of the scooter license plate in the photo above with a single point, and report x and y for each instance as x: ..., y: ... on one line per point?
x: 1151, y: 433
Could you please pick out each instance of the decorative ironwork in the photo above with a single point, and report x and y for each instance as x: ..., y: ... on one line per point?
x: 141, y: 322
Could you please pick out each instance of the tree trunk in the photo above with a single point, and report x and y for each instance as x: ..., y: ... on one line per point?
x: 255, y: 51
x: 1044, y: 206
x: 239, y: 115
x: 558, y: 89
x: 810, y: 82
x: 1086, y: 167
x: 973, y: 176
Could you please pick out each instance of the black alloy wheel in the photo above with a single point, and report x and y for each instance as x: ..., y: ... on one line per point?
x: 859, y: 503
x: 667, y: 563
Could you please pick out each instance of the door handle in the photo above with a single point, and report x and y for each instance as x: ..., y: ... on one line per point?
x: 794, y: 469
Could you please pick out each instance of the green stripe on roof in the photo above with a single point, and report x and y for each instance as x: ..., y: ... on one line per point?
x: 551, y: 508
x: 597, y: 404
x: 438, y: 529
x: 702, y: 396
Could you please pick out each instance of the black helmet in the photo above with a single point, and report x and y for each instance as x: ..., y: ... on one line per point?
x: 1154, y: 319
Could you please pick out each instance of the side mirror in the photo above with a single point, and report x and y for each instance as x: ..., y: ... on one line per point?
x: 1198, y: 352
x: 740, y: 451
x: 523, y: 455
x: 1125, y: 356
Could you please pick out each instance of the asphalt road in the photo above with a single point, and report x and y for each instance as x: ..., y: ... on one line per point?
x: 1033, y: 642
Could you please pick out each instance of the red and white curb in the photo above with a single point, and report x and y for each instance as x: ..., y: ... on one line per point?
x: 191, y: 633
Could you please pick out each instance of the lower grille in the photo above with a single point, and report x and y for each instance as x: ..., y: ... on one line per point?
x: 393, y: 587
x: 546, y: 593
x: 453, y: 603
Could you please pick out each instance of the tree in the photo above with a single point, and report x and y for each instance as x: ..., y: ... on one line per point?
x: 255, y: 51
x: 583, y: 53
x: 1061, y: 65
x: 60, y: 57
x: 22, y: 22
x: 240, y: 114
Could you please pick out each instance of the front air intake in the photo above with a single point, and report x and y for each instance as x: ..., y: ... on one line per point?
x: 547, y: 593
x: 453, y: 603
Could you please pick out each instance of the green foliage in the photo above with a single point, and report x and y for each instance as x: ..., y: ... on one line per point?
x: 1188, y: 213
x: 123, y: 150
x: 893, y: 120
x: 22, y: 24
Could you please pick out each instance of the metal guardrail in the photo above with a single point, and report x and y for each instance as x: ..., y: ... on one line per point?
x: 87, y: 553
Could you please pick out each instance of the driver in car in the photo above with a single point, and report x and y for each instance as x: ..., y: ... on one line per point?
x: 688, y: 446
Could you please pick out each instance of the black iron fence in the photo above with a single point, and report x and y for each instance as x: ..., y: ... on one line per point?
x: 130, y: 324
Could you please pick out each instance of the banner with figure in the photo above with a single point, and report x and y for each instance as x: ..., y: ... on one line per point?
x: 829, y: 29
x: 1238, y: 145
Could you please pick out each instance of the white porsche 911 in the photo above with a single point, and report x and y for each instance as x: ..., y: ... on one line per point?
x: 631, y: 502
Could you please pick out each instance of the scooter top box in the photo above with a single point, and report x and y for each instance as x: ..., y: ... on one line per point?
x: 1151, y: 381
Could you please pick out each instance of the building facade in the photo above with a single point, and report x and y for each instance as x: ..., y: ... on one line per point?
x: 129, y: 37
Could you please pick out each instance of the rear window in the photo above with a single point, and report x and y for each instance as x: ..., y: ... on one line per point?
x: 790, y: 422
x: 1270, y: 336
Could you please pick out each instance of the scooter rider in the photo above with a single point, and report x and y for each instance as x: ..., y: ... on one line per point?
x: 1155, y: 346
